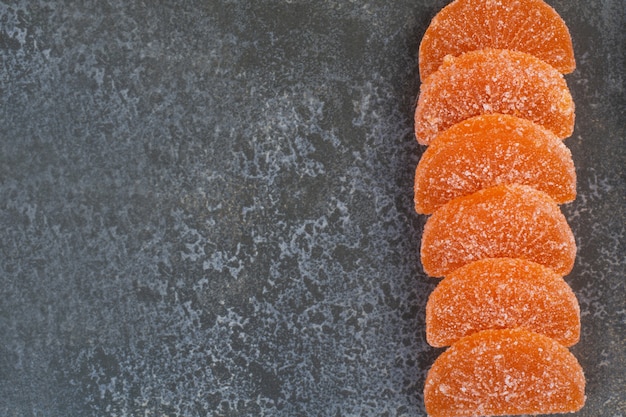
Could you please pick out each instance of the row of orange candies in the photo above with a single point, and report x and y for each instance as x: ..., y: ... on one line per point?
x: 494, y: 109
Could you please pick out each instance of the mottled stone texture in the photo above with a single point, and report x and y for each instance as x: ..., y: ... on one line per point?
x: 206, y: 207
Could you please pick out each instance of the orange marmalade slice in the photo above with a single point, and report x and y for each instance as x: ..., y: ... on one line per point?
x: 500, y: 372
x: 489, y: 150
x: 530, y: 26
x: 505, y: 221
x: 493, y: 81
x: 502, y: 293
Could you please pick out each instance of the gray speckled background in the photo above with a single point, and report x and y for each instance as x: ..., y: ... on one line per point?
x: 206, y: 207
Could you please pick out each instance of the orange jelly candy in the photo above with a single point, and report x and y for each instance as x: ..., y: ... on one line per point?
x: 489, y: 150
x: 530, y: 26
x: 502, y: 293
x: 505, y: 221
x: 493, y: 81
x: 500, y: 372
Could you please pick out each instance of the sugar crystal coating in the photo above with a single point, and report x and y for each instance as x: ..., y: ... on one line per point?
x: 530, y: 26
x: 500, y: 372
x: 493, y: 81
x: 488, y: 150
x: 502, y: 293
x: 515, y: 221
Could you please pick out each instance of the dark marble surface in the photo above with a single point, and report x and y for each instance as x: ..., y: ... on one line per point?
x: 206, y: 207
